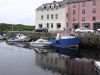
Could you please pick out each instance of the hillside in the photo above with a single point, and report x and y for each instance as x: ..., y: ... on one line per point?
x: 15, y: 27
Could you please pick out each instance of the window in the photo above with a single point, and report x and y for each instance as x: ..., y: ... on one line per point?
x: 83, y: 18
x: 51, y: 25
x: 83, y: 4
x: 83, y: 11
x: 56, y: 15
x: 52, y: 6
x: 57, y: 6
x: 41, y: 17
x: 74, y: 5
x: 47, y: 16
x: 94, y: 18
x: 66, y: 15
x: 86, y: 25
x: 40, y: 25
x: 48, y: 7
x: 94, y: 2
x: 94, y: 10
x: 51, y: 16
x: 74, y: 11
x: 73, y: 18
x: 41, y: 41
x: 58, y: 25
x: 42, y: 7
x: 47, y: 25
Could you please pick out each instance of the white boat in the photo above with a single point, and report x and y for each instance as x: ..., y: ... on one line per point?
x: 97, y: 67
x: 40, y: 43
x: 18, y: 38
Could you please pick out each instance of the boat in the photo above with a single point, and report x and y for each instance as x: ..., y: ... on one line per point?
x: 38, y: 50
x: 97, y: 67
x: 19, y: 38
x: 40, y: 43
x: 3, y: 37
x: 65, y: 41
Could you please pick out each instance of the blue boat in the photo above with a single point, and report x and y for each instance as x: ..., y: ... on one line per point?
x: 66, y: 41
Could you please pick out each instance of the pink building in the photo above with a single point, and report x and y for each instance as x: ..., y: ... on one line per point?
x: 83, y: 13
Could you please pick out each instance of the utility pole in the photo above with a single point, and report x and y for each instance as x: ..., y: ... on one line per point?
x: 12, y: 27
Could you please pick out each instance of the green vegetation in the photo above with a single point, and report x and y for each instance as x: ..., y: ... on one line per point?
x: 17, y: 27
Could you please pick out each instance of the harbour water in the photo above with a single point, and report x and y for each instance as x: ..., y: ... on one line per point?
x: 20, y: 59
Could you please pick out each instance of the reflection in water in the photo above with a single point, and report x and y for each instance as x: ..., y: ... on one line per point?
x: 64, y: 65
x: 52, y: 61
x: 19, y: 44
x: 19, y: 61
x: 63, y: 61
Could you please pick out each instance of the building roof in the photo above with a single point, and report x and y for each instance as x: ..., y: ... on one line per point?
x: 75, y: 1
x: 61, y: 4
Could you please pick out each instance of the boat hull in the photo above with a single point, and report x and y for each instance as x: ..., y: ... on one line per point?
x: 71, y: 42
x: 18, y: 40
x: 40, y: 44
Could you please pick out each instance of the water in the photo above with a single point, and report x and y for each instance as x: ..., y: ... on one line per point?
x: 20, y: 59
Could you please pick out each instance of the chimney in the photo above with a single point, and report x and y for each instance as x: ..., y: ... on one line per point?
x: 54, y: 1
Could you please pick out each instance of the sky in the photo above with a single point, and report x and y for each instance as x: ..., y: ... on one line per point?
x: 20, y: 11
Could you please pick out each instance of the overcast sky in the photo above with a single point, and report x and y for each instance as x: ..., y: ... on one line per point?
x: 19, y: 11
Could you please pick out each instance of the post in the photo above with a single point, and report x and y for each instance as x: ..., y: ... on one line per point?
x: 12, y: 27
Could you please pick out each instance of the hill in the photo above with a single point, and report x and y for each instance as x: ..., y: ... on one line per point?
x: 15, y: 27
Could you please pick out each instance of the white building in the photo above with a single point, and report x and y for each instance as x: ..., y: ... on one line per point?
x: 52, y: 16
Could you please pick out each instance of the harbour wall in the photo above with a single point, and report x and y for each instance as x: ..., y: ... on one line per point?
x: 32, y: 34
x: 89, y: 40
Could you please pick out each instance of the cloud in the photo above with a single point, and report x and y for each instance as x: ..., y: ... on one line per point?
x: 19, y: 11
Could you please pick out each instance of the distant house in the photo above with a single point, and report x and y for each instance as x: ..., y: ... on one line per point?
x: 53, y: 16
x: 83, y: 13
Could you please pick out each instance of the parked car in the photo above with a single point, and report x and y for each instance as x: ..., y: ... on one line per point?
x: 98, y: 30
x: 41, y: 30
x: 83, y: 29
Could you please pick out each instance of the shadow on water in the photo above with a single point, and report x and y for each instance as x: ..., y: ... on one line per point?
x: 73, y: 53
x: 90, y: 53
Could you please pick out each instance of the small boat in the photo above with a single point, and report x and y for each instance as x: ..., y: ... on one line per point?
x: 40, y: 50
x: 97, y: 67
x: 40, y: 43
x: 65, y: 41
x: 19, y: 38
x: 3, y: 37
